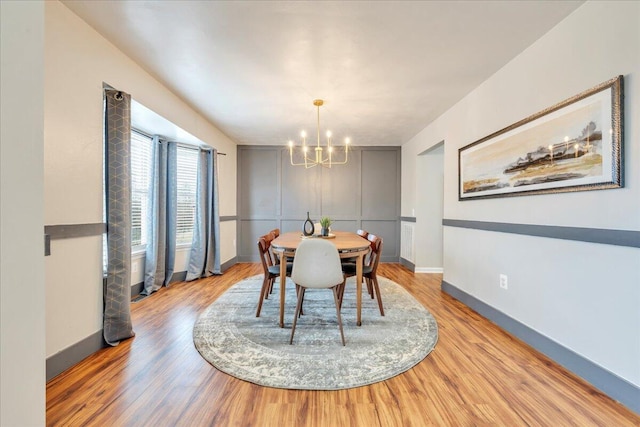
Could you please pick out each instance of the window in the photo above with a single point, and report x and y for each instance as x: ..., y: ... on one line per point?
x: 186, y: 175
x: 141, y: 154
x: 187, y: 170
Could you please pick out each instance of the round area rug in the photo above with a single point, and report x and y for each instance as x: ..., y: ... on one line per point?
x: 230, y: 337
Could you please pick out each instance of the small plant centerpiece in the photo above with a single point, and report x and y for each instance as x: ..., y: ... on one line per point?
x: 325, y: 223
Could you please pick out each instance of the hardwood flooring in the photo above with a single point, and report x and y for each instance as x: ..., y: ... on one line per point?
x: 477, y: 375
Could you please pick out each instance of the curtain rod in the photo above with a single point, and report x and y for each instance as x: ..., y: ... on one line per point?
x: 180, y: 144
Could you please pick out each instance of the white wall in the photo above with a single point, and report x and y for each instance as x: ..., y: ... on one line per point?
x: 22, y: 291
x: 77, y: 62
x: 583, y: 296
x: 429, y: 207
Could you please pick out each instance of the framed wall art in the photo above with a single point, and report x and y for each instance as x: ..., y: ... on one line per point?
x: 575, y: 145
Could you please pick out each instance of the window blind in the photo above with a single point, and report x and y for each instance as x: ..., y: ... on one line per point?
x: 141, y: 153
x: 187, y: 159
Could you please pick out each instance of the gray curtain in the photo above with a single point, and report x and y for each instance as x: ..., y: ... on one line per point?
x: 161, y: 217
x: 117, y: 290
x: 204, y: 258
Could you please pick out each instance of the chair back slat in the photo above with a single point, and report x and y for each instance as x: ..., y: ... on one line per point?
x: 273, y: 234
x: 362, y: 233
x: 376, y: 251
x: 263, y: 250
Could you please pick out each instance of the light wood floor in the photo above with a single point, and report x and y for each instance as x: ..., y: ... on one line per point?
x: 477, y: 375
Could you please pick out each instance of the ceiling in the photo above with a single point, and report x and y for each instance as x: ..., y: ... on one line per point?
x: 385, y: 69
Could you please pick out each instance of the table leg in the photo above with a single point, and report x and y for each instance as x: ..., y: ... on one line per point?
x: 359, y: 288
x: 283, y: 281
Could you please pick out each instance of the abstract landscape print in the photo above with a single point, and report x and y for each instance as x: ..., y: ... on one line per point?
x: 572, y: 146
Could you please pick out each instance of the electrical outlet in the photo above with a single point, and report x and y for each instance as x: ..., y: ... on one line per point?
x: 134, y: 267
x: 504, y: 281
x: 234, y: 243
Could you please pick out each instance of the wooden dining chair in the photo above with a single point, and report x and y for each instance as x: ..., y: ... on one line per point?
x: 271, y: 270
x: 316, y: 266
x: 350, y: 262
x: 369, y: 271
x: 274, y: 234
x: 363, y: 234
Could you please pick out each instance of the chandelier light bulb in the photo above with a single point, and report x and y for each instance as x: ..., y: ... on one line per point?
x: 328, y: 134
x: 303, y: 134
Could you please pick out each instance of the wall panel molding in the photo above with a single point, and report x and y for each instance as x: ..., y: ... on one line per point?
x: 274, y: 194
x: 629, y: 238
x: 70, y: 231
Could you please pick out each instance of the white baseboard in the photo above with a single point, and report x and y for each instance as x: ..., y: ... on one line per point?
x: 429, y: 270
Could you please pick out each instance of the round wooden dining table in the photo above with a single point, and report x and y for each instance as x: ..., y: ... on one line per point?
x: 349, y: 245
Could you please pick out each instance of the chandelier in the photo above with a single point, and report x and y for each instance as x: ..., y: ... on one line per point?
x: 318, y: 157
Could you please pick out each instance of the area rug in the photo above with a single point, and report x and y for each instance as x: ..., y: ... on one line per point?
x: 230, y: 337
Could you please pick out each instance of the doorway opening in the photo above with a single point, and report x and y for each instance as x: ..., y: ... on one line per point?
x: 430, y: 209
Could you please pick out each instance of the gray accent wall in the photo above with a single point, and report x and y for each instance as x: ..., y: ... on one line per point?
x: 363, y: 194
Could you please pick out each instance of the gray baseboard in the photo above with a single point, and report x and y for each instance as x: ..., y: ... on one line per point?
x: 178, y: 276
x: 227, y: 265
x: 408, y: 264
x: 136, y: 289
x: 615, y: 387
x: 74, y: 354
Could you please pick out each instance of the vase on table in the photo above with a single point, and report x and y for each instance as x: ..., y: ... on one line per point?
x: 308, y: 227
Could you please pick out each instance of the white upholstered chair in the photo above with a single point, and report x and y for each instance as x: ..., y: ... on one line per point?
x: 316, y: 265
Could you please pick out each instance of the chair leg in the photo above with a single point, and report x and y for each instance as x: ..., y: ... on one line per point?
x: 298, y: 307
x: 263, y: 291
x: 369, y: 287
x: 374, y: 279
x: 335, y: 298
x: 271, y: 287
x: 302, y: 303
x: 341, y: 288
